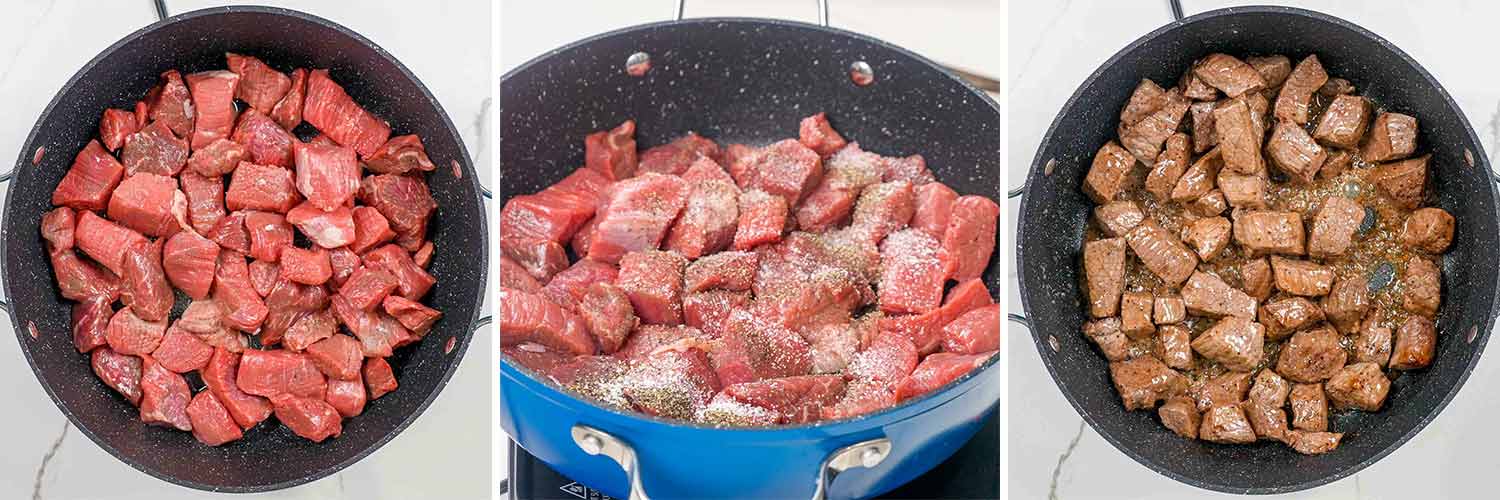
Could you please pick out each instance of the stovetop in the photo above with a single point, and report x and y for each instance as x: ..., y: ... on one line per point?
x: 972, y: 472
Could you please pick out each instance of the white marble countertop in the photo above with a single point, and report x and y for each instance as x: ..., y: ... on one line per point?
x: 447, y: 45
x: 1053, y: 47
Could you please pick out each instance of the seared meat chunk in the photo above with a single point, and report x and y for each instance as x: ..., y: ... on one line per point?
x: 1118, y: 217
x: 1135, y: 315
x: 1269, y: 422
x: 1428, y: 229
x: 1168, y: 310
x: 1309, y: 407
x: 1229, y: 74
x: 1243, y: 191
x: 1169, y: 166
x: 1311, y: 355
x: 1238, y: 137
x: 1198, y: 180
x: 1296, y: 94
x: 1104, y: 267
x: 1204, y: 135
x: 1347, y: 303
x: 1300, y: 277
x: 1314, y: 443
x: 1256, y: 278
x: 1416, y: 341
x: 1338, y: 161
x: 1403, y: 181
x: 1144, y: 100
x: 1206, y: 294
x: 1293, y: 151
x: 1226, y: 424
x: 1174, y: 346
x: 1162, y: 252
x: 1360, y: 386
x: 1209, y: 205
x: 1144, y: 381
x: 1111, y: 341
x: 1373, y: 345
x: 1208, y: 236
x: 1179, y: 415
x: 1273, y: 69
x: 1333, y: 228
x: 1266, y: 232
x: 1393, y: 136
x: 1269, y: 389
x: 1285, y: 316
x: 1423, y: 287
x: 1224, y: 390
x: 1335, y: 87
x: 1144, y: 138
x: 1344, y: 122
x: 1234, y: 342
x: 1106, y: 177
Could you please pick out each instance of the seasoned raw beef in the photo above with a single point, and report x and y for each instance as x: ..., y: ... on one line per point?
x: 612, y: 152
x: 636, y: 215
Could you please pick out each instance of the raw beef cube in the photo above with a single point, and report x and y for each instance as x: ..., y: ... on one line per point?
x: 671, y: 383
x: 529, y: 317
x: 331, y: 229
x: 938, y: 370
x: 328, y: 176
x: 675, y: 157
x: 1264, y: 232
x: 115, y: 125
x: 911, y: 169
x: 412, y: 315
x: 653, y: 281
x: 637, y: 214
x: 211, y: 422
x: 883, y: 209
x: 58, y: 225
x: 368, y: 286
x: 1293, y: 151
x: 233, y: 291
x: 1403, y: 181
x: 1423, y: 287
x: 709, y: 311
x: 1333, y: 227
x: 612, y: 153
x: 1300, y: 277
x: 1106, y: 177
x: 265, y: 141
x: 309, y: 329
x: 1344, y: 123
x: 766, y: 348
x: 263, y: 275
x: 269, y: 233
x: 1238, y: 137
x: 337, y: 116
x: 1144, y: 138
x: 190, y: 261
x: 288, y: 112
x: 703, y: 169
x: 378, y: 377
x: 568, y: 287
x: 762, y: 219
x: 861, y: 397
x: 1393, y: 136
x: 834, y: 345
x: 1427, y: 229
x: 104, y: 241
x: 723, y: 271
x: 1162, y: 252
x: 1144, y: 381
x: 90, y: 320
x: 260, y: 86
x: 217, y: 158
x: 80, y: 279
x: 583, y: 184
x: 412, y: 281
x: 1229, y: 74
x: 815, y: 133
x: 932, y: 209
x: 171, y: 104
x: 974, y: 332
x: 90, y: 180
x: 969, y: 240
x: 1104, y: 272
x: 309, y: 267
x: 405, y: 202
x: 149, y: 203
x: 181, y: 351
x: 118, y: 371
x: 787, y: 169
x: 146, y: 290
x: 400, y: 155
x: 1295, y: 98
x: 370, y: 229
x: 154, y: 150
x: 647, y: 339
x: 1234, y: 342
x: 345, y: 261
x: 1416, y: 341
x: 346, y: 396
x: 205, y: 201
x: 1207, y: 295
x: 609, y: 315
x: 260, y: 187
x: 926, y: 330
x: 164, y: 397
x: 912, y: 276
x: 309, y: 417
x: 1311, y: 356
x: 279, y: 372
x: 219, y: 376
x: 845, y: 176
x: 795, y: 400
x: 337, y: 356
x: 708, y: 220
x: 287, y: 303
x: 213, y: 103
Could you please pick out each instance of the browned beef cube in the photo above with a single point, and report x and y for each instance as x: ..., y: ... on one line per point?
x: 1106, y: 177
x: 1360, y: 386
x: 1242, y: 190
x: 1204, y: 135
x: 1104, y: 268
x: 1293, y: 151
x: 1373, y: 345
x: 1206, y: 294
x: 1344, y: 122
x: 1135, y: 315
x: 1300, y: 277
x: 1162, y: 252
x: 1285, y: 316
x: 1146, y: 99
x: 1256, y: 278
x: 1393, y: 136
x: 1269, y: 422
x: 1208, y: 236
x: 1314, y: 443
x: 1234, y: 342
x: 1347, y: 303
x: 1273, y: 69
x: 1296, y: 94
x: 1168, y: 310
x: 1424, y: 286
x: 1416, y: 341
x: 1266, y: 232
x: 1333, y: 227
x: 1194, y: 88
x: 1118, y: 217
x: 1145, y: 137
x: 1238, y: 137
x: 1335, y: 87
x: 1226, y: 424
x: 1144, y: 381
x: 1403, y: 181
x: 1179, y: 415
x: 1428, y: 229
x: 1209, y: 205
x: 1198, y: 179
x: 1311, y: 355
x: 1338, y: 161
x: 1224, y: 390
x: 1169, y: 166
x: 1174, y: 346
x: 1106, y: 333
x: 1229, y: 74
x: 1269, y: 389
x: 1309, y: 407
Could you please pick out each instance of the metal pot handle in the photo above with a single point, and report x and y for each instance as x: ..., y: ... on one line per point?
x: 593, y: 441
x: 822, y: 11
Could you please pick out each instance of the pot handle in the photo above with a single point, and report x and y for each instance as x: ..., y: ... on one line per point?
x: 822, y: 11
x: 597, y: 442
x: 6, y: 178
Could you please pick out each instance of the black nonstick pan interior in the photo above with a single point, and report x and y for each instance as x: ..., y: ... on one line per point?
x: 270, y: 457
x: 1054, y: 213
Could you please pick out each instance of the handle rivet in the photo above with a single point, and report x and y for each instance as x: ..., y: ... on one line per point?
x: 638, y: 64
x: 861, y: 73
x: 592, y: 444
x: 871, y: 457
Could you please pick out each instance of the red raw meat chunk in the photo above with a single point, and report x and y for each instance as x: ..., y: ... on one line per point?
x: 974, y: 332
x: 213, y: 103
x: 334, y: 113
x: 378, y: 377
x: 721, y: 271
x: 637, y: 215
x: 219, y: 376
x: 378, y: 333
x: 582, y: 183
x: 368, y: 286
x: 153, y: 149
x: 333, y: 229
x: 926, y: 330
x: 861, y: 397
x: 142, y: 113
x: 708, y: 220
x: 550, y: 215
x: 344, y: 263
x: 370, y: 229
x: 911, y: 169
x: 936, y: 371
x: 400, y: 155
x: 815, y: 133
x: 150, y: 204
x: 164, y: 397
x: 738, y: 159
x: 346, y: 396
x: 244, y: 310
x: 529, y: 317
x: 911, y: 278
x: 612, y: 152
x: 118, y: 371
x: 538, y: 358
x: 608, y: 313
x: 310, y: 329
x: 129, y: 334
x: 190, y: 262
x: 512, y: 275
x: 288, y: 112
x: 181, y: 351
x: 309, y: 417
x: 404, y: 201
x: 833, y: 345
x: 796, y: 400
x: 57, y: 228
x: 276, y: 372
x: 933, y: 206
x: 269, y: 234
x: 90, y: 180
x: 706, y: 169
x: 205, y: 200
x: 91, y: 323
x: 675, y: 157
x: 568, y: 287
x: 337, y: 356
x: 653, y: 281
x: 762, y: 219
x: 80, y: 279
x: 648, y: 339
x: 888, y: 359
x: 171, y: 104
x: 540, y: 258
x: 831, y: 202
x: 211, y: 422
x: 104, y: 240
x: 261, y: 187
x: 671, y: 383
x: 115, y: 126
x: 146, y: 291
x: 265, y: 141
x: 309, y: 267
x: 328, y: 176
x: 217, y: 158
x: 260, y: 86
x: 230, y: 233
x: 970, y: 238
x: 883, y: 209
x: 412, y: 314
x: 756, y: 348
x: 263, y: 275
x: 787, y: 169
x: 709, y: 311
x: 288, y: 303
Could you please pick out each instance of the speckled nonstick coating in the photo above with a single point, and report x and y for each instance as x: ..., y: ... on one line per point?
x: 269, y: 457
x: 1054, y: 213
